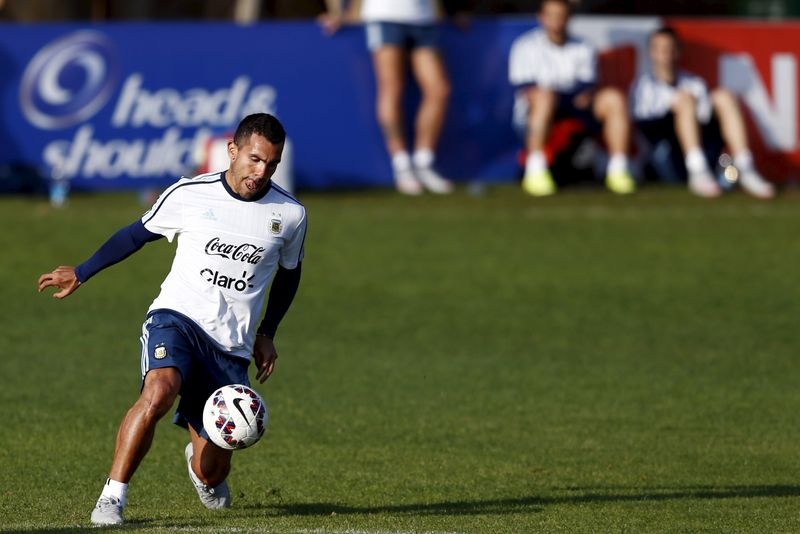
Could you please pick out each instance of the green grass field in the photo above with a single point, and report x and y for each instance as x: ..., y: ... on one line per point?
x: 585, y: 363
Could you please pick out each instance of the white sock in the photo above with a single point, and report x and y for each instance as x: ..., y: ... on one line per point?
x: 115, y: 489
x: 423, y: 158
x: 743, y: 161
x: 696, y: 161
x: 617, y: 163
x: 401, y: 161
x: 535, y: 162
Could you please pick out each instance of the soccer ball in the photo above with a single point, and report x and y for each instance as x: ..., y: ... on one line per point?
x: 235, y: 417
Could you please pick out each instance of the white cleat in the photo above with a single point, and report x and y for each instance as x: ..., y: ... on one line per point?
x: 107, y: 511
x: 212, y: 498
x: 755, y: 184
x: 433, y: 181
x: 406, y: 183
x: 704, y: 185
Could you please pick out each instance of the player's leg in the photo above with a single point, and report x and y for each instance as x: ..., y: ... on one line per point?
x: 687, y: 130
x: 542, y: 104
x: 211, y: 464
x: 610, y: 108
x: 431, y: 76
x: 135, y: 435
x: 734, y: 133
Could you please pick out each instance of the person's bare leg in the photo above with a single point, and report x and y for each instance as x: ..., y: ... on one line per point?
x: 135, y: 435
x: 540, y: 116
x: 687, y: 130
x: 431, y: 76
x: 734, y: 133
x: 731, y: 121
x: 542, y: 107
x: 610, y: 107
x: 210, y: 463
x: 389, y: 64
x: 134, y: 438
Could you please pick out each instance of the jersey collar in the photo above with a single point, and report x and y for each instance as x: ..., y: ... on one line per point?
x: 236, y: 195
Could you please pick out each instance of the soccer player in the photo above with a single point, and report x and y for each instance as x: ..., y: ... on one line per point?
x: 234, y: 230
x: 670, y: 103
x: 399, y: 31
x: 556, y: 76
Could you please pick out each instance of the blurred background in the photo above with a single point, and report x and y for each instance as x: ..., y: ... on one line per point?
x: 110, y: 94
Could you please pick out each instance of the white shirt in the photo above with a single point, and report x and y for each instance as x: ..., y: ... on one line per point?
x: 228, y: 249
x: 535, y: 59
x: 652, y: 98
x: 404, y: 11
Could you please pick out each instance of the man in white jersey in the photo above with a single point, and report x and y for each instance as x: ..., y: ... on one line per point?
x: 670, y: 104
x: 556, y: 74
x: 399, y: 31
x: 234, y: 230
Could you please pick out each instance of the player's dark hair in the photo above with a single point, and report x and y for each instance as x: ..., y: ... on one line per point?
x: 262, y: 124
x: 668, y: 32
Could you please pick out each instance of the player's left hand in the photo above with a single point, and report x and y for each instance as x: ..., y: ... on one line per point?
x: 264, y: 354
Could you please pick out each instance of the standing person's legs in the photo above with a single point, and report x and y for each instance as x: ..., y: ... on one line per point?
x: 542, y: 105
x: 687, y: 130
x: 431, y: 76
x: 610, y: 107
x: 734, y: 133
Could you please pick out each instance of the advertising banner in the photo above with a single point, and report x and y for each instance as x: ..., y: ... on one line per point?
x: 121, y: 106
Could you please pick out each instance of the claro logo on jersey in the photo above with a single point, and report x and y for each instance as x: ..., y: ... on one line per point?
x: 218, y: 279
x: 151, y: 131
x: 245, y: 253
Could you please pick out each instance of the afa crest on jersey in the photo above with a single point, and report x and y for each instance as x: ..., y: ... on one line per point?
x: 275, y: 224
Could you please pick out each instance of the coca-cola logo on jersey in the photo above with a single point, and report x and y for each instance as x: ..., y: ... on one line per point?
x: 245, y: 252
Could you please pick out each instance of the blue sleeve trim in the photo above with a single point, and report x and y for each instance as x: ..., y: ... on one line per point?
x: 119, y: 246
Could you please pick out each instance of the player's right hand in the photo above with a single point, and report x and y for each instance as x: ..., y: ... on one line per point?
x: 62, y: 277
x: 330, y: 23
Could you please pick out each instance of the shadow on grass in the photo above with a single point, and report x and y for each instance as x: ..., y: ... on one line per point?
x: 571, y: 495
x: 535, y: 504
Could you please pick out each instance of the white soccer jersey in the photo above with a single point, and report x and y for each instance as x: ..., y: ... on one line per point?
x: 228, y: 249
x: 405, y: 11
x: 535, y: 59
x: 652, y: 98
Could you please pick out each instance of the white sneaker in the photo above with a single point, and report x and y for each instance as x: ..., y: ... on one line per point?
x: 433, y: 181
x: 756, y: 185
x: 406, y: 182
x: 212, y: 498
x: 107, y: 511
x: 703, y: 184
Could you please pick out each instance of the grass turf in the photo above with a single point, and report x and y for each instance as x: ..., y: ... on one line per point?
x: 586, y: 363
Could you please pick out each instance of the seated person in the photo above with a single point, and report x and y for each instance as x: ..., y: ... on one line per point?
x: 674, y: 105
x: 556, y: 76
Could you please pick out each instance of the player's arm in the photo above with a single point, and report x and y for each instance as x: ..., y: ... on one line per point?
x: 119, y: 246
x: 281, y: 294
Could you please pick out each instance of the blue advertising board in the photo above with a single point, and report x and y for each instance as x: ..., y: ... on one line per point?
x: 121, y: 106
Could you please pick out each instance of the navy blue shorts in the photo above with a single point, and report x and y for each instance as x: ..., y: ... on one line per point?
x: 170, y: 339
x: 406, y: 36
x: 565, y: 109
x: 667, y: 157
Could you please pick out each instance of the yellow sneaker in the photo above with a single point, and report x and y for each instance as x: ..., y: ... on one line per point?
x: 539, y: 184
x: 621, y: 183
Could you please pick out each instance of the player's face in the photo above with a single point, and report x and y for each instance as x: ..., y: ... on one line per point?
x: 252, y: 165
x: 554, y: 17
x: 663, y: 52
